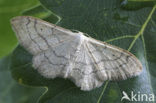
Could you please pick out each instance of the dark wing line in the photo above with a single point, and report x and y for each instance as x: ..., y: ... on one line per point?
x: 44, y: 22
x: 117, y: 48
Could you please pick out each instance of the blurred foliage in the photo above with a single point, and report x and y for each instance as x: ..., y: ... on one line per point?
x: 9, y: 9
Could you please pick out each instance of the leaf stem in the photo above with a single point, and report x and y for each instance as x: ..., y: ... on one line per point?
x: 102, y: 92
x: 121, y: 37
x: 141, y: 32
x: 133, y: 42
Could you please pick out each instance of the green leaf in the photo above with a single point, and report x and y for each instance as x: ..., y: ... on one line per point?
x: 103, y: 20
x: 11, y: 92
x: 9, y: 9
x: 40, y: 12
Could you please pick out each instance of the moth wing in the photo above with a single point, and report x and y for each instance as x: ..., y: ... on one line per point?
x: 113, y: 63
x: 37, y: 35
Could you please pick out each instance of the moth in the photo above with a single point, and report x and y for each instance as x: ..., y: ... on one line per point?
x: 59, y: 52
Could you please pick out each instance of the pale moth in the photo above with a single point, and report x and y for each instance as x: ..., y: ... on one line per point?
x: 58, y: 52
